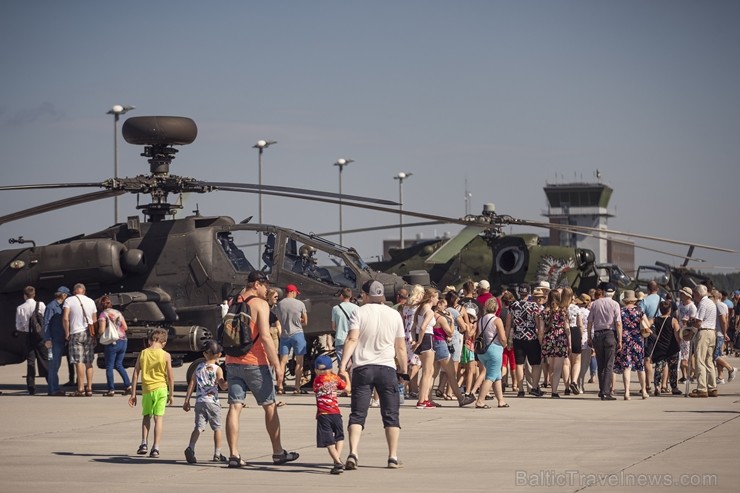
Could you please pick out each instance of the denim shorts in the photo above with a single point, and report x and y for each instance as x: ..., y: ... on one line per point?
x: 297, y: 342
x: 441, y: 351
x: 255, y: 378
x: 207, y: 413
x: 718, y: 347
x: 329, y: 429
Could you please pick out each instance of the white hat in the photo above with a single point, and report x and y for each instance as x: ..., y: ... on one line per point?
x: 484, y: 284
x: 543, y: 285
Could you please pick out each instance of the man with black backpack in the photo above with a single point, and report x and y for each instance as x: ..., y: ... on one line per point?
x: 251, y: 371
x: 29, y: 320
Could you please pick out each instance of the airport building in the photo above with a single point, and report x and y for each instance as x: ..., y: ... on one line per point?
x: 586, y: 204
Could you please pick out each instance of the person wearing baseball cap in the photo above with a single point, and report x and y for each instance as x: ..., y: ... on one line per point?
x: 605, y: 337
x: 329, y: 427
x: 374, y: 343
x: 293, y: 317
x: 54, y: 334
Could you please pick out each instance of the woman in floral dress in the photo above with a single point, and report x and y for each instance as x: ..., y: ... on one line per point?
x: 632, y: 355
x: 554, y: 335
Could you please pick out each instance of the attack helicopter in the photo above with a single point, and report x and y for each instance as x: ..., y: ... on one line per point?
x: 482, y: 251
x: 176, y: 273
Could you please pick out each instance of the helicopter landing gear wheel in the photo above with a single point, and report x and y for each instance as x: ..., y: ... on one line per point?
x: 192, y: 367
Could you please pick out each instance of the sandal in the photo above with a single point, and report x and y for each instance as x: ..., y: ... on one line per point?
x: 236, y: 461
x: 154, y: 454
x: 299, y: 391
x: 505, y: 405
x: 143, y: 449
x: 439, y: 394
x: 280, y: 404
x: 484, y: 406
x: 88, y: 391
x: 447, y: 397
x: 351, y: 463
x: 280, y: 391
x: 78, y: 393
x: 110, y: 393
x: 284, y: 457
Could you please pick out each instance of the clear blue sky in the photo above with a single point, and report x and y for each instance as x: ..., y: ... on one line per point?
x: 507, y: 95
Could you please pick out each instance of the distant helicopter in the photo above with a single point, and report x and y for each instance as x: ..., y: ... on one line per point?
x: 175, y: 273
x: 482, y: 251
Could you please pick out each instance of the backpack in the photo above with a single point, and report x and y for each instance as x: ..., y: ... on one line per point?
x: 36, y: 324
x: 480, y: 341
x: 235, y: 331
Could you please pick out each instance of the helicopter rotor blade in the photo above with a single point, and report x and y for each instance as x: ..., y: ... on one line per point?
x: 248, y: 187
x: 566, y: 228
x: 622, y: 233
x: 381, y: 228
x: 41, y: 186
x: 60, y: 204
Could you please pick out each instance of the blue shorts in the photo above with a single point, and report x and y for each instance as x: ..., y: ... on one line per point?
x: 255, y: 378
x: 339, y: 350
x: 297, y: 342
x: 491, y: 359
x: 329, y: 430
x: 441, y: 350
x: 718, y: 347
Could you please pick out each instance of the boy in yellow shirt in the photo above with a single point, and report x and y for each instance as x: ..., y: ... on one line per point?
x: 157, y: 388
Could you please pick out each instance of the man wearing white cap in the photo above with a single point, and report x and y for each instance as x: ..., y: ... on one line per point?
x: 375, y: 343
x: 706, y: 340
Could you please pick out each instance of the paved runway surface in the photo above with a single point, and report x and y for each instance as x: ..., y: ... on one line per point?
x: 576, y: 443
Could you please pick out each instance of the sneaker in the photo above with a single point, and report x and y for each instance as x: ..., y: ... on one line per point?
x: 337, y: 468
x: 467, y: 400
x: 721, y: 381
x: 425, y: 405
x: 375, y: 403
x: 520, y: 393
x: 732, y: 374
x: 682, y: 380
x: 536, y: 392
x: 574, y: 389
x: 567, y: 391
x: 555, y: 396
x: 394, y: 463
x: 608, y: 397
x: 190, y: 456
x: 220, y: 458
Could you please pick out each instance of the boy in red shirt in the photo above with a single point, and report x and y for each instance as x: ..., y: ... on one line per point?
x: 329, y: 429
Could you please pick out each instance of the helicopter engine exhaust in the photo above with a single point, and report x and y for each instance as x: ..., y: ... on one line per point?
x: 179, y: 339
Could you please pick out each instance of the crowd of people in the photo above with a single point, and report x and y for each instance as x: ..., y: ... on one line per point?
x: 473, y: 343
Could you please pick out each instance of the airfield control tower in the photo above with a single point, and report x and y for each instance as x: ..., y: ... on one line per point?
x: 584, y: 204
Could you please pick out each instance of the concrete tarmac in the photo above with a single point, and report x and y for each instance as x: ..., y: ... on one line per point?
x: 576, y: 443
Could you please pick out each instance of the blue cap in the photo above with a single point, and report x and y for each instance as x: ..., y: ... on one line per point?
x: 63, y: 290
x: 323, y: 362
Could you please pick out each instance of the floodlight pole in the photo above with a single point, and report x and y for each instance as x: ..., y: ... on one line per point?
x: 117, y: 110
x: 341, y: 163
x: 260, y: 146
x: 400, y: 177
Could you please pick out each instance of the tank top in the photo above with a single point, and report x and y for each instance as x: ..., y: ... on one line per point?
x: 429, y: 329
x: 153, y: 370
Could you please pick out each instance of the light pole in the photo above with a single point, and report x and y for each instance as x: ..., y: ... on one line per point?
x: 117, y: 110
x: 341, y: 163
x: 400, y: 177
x: 260, y: 146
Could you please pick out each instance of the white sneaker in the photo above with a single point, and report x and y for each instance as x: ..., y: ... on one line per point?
x: 720, y: 381
x: 375, y: 403
x: 732, y: 374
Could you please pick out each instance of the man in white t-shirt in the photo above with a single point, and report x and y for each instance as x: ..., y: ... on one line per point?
x: 78, y: 312
x: 33, y: 345
x: 375, y: 344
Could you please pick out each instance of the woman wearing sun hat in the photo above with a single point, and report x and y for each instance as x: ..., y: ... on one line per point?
x: 632, y: 355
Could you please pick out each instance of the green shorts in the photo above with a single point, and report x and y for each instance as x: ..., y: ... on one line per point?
x: 154, y: 402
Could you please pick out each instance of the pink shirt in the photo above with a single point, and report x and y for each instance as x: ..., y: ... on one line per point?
x: 604, y: 314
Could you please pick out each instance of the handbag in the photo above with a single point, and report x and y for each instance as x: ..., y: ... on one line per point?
x: 646, y: 327
x: 480, y: 341
x: 110, y: 333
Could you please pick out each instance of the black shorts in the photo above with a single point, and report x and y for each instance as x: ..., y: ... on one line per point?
x: 527, y: 351
x: 382, y: 378
x: 427, y: 344
x: 329, y: 430
x: 576, y: 343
